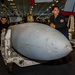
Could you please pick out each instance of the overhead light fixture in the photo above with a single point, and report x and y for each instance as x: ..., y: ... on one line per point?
x: 47, y: 9
x: 62, y: 9
x: 57, y: 1
x: 32, y: 6
x: 35, y: 4
x: 13, y: 6
x: 31, y: 9
x: 15, y: 9
x: 12, y: 3
x: 53, y: 4
x: 2, y: 5
x: 10, y: 0
x: 1, y: 12
x: 50, y: 7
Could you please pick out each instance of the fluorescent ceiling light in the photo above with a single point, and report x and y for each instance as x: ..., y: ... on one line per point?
x: 32, y: 6
x: 31, y: 9
x: 50, y: 7
x: 13, y: 6
x: 57, y: 1
x: 1, y: 12
x: 53, y: 4
x: 12, y: 3
x: 47, y: 9
x: 35, y: 4
x: 10, y: 0
x: 15, y: 9
x: 62, y: 9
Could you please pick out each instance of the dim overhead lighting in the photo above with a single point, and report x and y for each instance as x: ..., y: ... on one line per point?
x: 49, y: 7
x: 12, y: 3
x: 57, y: 1
x: 53, y: 4
x: 1, y: 12
x: 31, y: 9
x: 35, y: 4
x: 15, y: 9
x: 10, y: 0
x: 32, y: 6
x: 2, y: 5
x: 13, y: 6
x: 62, y: 9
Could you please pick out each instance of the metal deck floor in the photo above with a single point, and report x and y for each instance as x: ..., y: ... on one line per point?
x: 56, y: 67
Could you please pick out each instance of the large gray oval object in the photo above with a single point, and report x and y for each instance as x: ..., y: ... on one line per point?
x: 40, y: 42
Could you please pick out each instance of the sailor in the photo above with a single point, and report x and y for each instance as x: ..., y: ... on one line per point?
x: 3, y: 24
x: 57, y: 21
